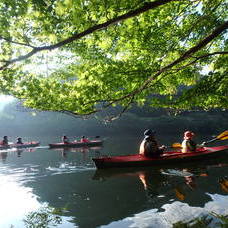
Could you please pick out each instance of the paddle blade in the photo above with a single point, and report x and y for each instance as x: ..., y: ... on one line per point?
x: 179, y: 194
x: 223, y: 135
x: 176, y: 145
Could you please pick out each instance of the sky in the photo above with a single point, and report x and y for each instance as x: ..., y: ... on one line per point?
x: 5, y: 100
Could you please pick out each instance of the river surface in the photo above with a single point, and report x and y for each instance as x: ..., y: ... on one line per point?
x: 50, y: 186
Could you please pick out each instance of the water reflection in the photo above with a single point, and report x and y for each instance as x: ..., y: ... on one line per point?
x: 18, y: 151
x: 68, y: 181
x: 3, y: 156
x: 84, y: 150
x: 16, y: 201
x: 189, y: 185
x: 224, y: 183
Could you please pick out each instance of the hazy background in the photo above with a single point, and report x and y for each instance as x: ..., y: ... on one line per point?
x: 17, y: 121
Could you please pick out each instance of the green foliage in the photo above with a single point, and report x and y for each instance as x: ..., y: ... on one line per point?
x: 204, y: 222
x: 43, y: 218
x: 110, y: 66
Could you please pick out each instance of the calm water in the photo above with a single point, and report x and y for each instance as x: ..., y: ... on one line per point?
x: 67, y: 184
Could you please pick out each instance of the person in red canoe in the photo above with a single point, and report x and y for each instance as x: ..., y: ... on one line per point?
x: 149, y: 146
x: 84, y: 139
x: 5, y: 141
x: 19, y: 141
x: 65, y: 139
x: 188, y: 145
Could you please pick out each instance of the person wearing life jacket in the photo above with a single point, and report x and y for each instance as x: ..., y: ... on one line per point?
x: 84, y: 139
x: 19, y: 141
x: 188, y: 145
x: 149, y: 146
x: 65, y: 140
x: 5, y: 141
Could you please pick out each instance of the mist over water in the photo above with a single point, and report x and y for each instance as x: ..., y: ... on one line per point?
x: 18, y: 121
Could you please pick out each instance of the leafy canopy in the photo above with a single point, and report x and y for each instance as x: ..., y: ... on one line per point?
x: 82, y: 56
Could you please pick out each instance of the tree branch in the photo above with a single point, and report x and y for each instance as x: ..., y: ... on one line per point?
x: 147, y: 6
x: 15, y: 42
x: 201, y: 57
x: 186, y: 55
x: 146, y: 84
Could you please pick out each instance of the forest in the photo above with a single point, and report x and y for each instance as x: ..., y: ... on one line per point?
x: 24, y: 122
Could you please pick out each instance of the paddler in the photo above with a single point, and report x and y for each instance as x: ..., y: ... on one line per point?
x: 65, y: 139
x: 149, y: 146
x: 19, y: 141
x: 188, y: 145
x: 84, y: 139
x: 5, y: 141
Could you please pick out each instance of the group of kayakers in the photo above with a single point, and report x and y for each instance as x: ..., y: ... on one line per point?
x: 149, y: 146
x: 83, y: 139
x: 5, y: 141
x: 65, y: 139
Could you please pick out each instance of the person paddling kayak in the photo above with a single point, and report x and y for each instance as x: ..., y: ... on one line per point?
x: 188, y: 145
x: 5, y: 141
x: 19, y: 141
x: 65, y: 139
x: 149, y: 146
x: 84, y: 139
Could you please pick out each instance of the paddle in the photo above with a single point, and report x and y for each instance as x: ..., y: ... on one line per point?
x: 222, y: 136
x: 176, y: 145
x: 96, y: 136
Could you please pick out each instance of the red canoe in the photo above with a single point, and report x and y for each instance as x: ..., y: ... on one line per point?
x: 169, y: 157
x: 24, y: 145
x: 76, y: 144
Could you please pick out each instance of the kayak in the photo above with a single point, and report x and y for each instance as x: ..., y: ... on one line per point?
x: 76, y: 144
x: 169, y: 157
x: 77, y: 149
x: 24, y: 145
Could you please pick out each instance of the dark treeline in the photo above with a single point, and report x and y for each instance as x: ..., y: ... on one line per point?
x: 16, y: 121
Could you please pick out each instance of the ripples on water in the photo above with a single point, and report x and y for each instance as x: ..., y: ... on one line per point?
x: 67, y: 180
